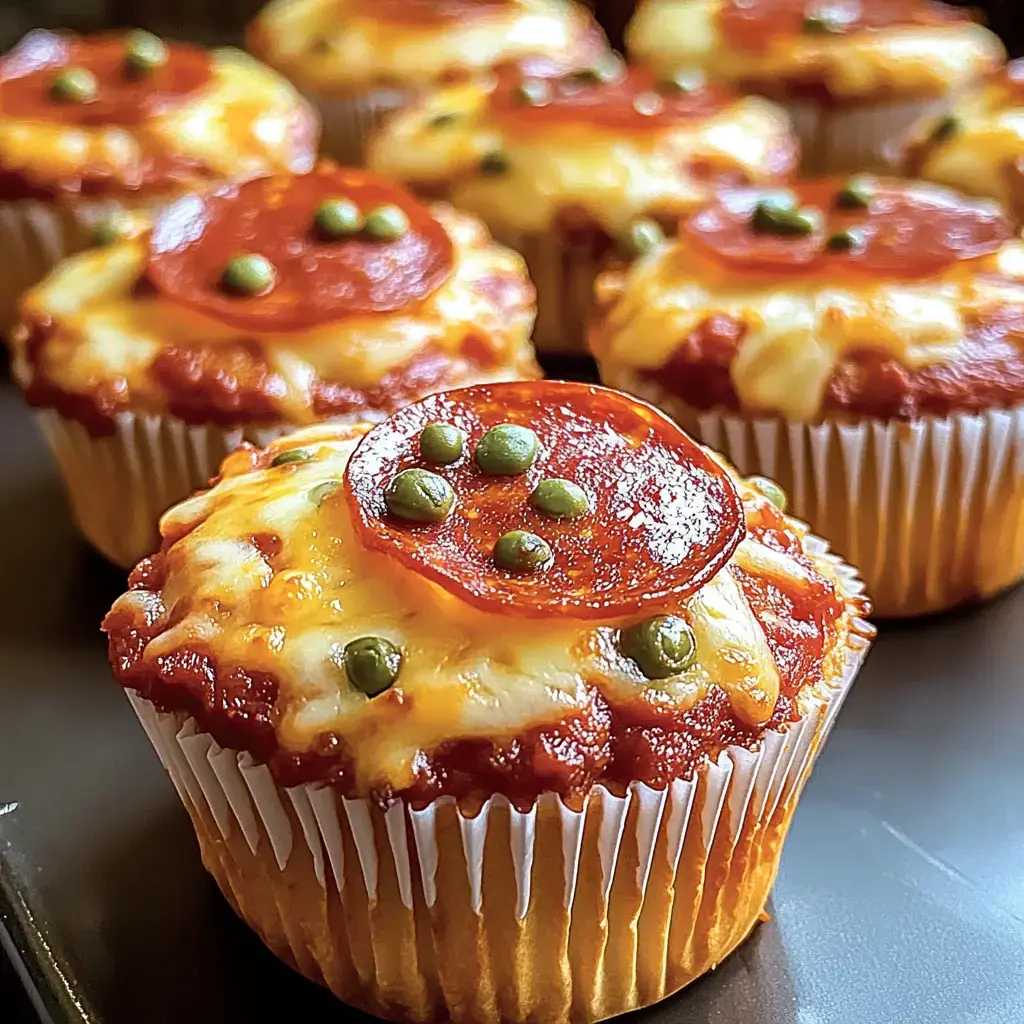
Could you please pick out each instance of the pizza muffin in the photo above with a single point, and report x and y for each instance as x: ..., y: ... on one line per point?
x: 498, y: 712
x: 246, y: 312
x: 978, y: 145
x: 862, y: 342
x: 359, y: 60
x: 98, y: 131
x: 565, y: 168
x: 853, y: 75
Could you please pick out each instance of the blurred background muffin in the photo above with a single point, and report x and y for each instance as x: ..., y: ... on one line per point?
x: 852, y: 76
x: 861, y: 342
x: 280, y: 302
x: 565, y: 167
x: 451, y: 681
x: 362, y: 59
x: 99, y: 131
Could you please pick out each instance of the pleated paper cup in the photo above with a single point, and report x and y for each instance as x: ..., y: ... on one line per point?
x: 931, y: 511
x: 348, y: 121
x: 551, y: 914
x: 843, y: 140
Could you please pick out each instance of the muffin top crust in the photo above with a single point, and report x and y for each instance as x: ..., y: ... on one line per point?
x: 866, y: 296
x: 349, y: 45
x: 290, y: 297
x: 978, y: 145
x: 529, y: 148
x: 518, y: 588
x: 856, y: 51
x: 127, y: 115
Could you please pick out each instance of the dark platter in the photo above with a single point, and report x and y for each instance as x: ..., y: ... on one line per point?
x: 901, y: 897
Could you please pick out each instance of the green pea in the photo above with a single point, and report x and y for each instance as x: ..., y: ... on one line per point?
x: 442, y: 444
x: 144, y: 53
x: 386, y: 224
x: 850, y: 240
x: 946, y: 128
x: 419, y: 496
x: 444, y: 119
x: 372, y: 664
x: 856, y: 194
x: 338, y: 218
x: 606, y: 69
x: 292, y: 455
x: 507, y: 450
x: 686, y: 80
x: 661, y: 647
x: 520, y: 551
x: 560, y: 498
x: 494, y: 163
x: 74, y: 85
x: 774, y: 216
x: 822, y: 22
x: 534, y: 92
x: 641, y: 237
x: 108, y: 230
x: 319, y: 494
x: 249, y: 274
x: 770, y: 490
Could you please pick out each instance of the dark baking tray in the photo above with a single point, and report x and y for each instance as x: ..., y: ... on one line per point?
x: 901, y: 897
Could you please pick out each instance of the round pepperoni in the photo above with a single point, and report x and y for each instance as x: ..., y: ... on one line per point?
x: 662, y: 516
x: 906, y: 229
x: 430, y: 12
x: 630, y: 100
x: 756, y: 24
x: 316, y: 278
x: 28, y: 71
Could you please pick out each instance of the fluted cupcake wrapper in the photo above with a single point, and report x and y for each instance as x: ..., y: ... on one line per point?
x: 348, y: 121
x: 837, y: 139
x: 549, y: 914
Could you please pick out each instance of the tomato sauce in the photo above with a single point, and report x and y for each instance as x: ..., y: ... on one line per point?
x: 633, y: 101
x: 318, y: 280
x: 755, y: 25
x: 26, y: 74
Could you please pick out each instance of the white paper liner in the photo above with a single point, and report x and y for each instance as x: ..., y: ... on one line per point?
x: 348, y: 121
x: 836, y: 140
x: 395, y: 873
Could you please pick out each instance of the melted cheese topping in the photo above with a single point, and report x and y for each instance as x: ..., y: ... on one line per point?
x: 333, y: 45
x: 104, y: 333
x: 612, y: 176
x: 798, y: 326
x: 247, y: 121
x: 982, y: 156
x: 903, y: 62
x: 465, y: 673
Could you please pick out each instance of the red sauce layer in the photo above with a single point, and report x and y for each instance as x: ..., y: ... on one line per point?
x: 907, y: 230
x: 663, y: 517
x: 611, y: 743
x: 632, y: 101
x: 318, y: 280
x: 27, y: 72
x: 755, y: 25
x: 429, y: 13
x: 985, y: 372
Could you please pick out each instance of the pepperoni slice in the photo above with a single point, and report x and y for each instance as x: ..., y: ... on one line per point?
x: 909, y: 229
x: 27, y: 72
x: 633, y: 100
x: 756, y: 24
x: 429, y: 12
x: 317, y: 279
x: 663, y: 516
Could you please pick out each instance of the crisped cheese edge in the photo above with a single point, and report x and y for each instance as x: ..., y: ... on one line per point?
x: 466, y: 673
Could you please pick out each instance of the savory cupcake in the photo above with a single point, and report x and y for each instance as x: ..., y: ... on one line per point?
x: 978, y: 145
x: 359, y: 60
x: 861, y: 342
x: 853, y: 75
x: 563, y: 167
x: 98, y: 130
x: 498, y: 712
x: 245, y: 312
